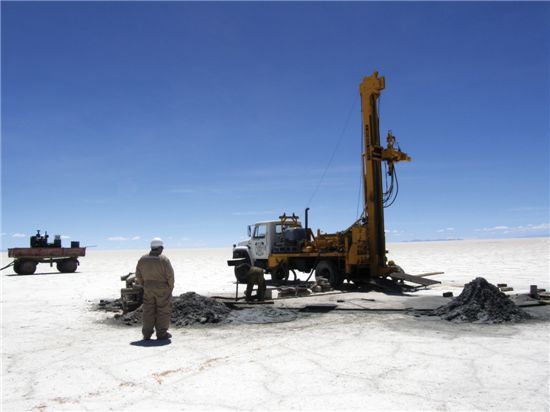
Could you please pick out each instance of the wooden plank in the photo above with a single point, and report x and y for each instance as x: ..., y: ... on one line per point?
x: 250, y: 303
x: 319, y: 307
x: 430, y: 274
x: 414, y: 279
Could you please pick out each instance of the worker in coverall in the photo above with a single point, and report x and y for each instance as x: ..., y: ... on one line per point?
x: 255, y: 276
x: 155, y: 273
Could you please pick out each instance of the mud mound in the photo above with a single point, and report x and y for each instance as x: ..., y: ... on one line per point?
x: 191, y: 307
x: 481, y: 302
x: 187, y: 309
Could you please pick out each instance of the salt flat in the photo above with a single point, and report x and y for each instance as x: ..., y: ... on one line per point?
x: 58, y: 354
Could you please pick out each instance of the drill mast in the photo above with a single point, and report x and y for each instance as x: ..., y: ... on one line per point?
x: 372, y: 157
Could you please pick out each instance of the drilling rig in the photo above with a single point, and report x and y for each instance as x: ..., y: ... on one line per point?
x: 356, y: 254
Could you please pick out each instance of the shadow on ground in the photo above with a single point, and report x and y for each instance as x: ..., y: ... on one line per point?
x: 151, y: 343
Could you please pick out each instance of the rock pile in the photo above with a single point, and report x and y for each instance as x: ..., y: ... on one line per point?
x: 481, y: 302
x: 109, y: 305
x: 322, y: 285
x: 187, y: 309
x: 290, y: 291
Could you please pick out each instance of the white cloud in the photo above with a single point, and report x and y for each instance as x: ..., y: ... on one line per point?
x: 516, y: 229
x: 4, y: 233
x: 65, y: 237
x: 492, y: 229
x: 447, y: 229
x: 123, y: 238
x: 117, y: 238
x: 19, y: 235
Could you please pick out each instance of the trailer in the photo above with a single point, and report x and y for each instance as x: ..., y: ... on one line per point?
x: 27, y: 258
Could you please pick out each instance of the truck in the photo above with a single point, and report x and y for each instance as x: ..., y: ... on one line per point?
x: 356, y: 254
x: 41, y: 251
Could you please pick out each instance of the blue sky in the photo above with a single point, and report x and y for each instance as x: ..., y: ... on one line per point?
x: 188, y: 121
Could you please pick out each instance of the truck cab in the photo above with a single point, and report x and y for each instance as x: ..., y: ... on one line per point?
x: 266, y: 238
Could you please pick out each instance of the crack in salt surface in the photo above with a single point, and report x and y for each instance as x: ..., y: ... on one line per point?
x: 159, y: 377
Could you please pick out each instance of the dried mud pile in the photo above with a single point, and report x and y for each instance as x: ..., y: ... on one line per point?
x: 187, y: 309
x: 191, y: 308
x: 481, y: 302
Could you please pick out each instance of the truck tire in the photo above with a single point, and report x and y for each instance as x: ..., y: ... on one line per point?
x: 24, y: 267
x: 67, y: 266
x: 327, y: 269
x: 280, y: 273
x: 241, y: 271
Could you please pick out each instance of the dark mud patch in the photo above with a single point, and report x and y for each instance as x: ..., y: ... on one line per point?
x: 191, y: 308
x: 187, y: 309
x: 481, y: 302
x: 260, y: 315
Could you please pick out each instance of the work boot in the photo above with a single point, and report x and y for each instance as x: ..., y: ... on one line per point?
x: 164, y: 337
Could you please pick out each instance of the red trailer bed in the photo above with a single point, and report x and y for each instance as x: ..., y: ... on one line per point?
x: 46, y: 252
x: 26, y: 258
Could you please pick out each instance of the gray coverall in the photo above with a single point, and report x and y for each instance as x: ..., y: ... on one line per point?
x: 154, y: 271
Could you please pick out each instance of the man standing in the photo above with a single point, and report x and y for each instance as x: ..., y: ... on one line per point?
x: 154, y: 271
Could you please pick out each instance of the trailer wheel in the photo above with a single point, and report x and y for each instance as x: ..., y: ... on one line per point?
x: 67, y: 266
x: 24, y: 267
x: 326, y: 269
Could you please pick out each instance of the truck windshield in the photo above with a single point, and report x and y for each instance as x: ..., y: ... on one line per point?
x: 259, y: 231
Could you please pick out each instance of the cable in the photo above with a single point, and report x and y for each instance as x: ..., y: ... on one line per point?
x: 393, y: 192
x: 333, y: 152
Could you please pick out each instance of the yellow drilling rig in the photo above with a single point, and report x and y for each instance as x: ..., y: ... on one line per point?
x: 356, y: 254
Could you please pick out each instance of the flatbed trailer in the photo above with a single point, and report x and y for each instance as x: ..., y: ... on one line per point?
x: 26, y: 259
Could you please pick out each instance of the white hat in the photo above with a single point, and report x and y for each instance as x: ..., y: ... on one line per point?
x: 156, y: 242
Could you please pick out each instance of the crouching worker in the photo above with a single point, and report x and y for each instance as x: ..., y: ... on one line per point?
x: 254, y: 276
x: 154, y: 271
x: 396, y: 268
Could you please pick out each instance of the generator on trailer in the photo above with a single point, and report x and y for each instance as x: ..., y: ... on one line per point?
x: 41, y: 251
x: 357, y: 253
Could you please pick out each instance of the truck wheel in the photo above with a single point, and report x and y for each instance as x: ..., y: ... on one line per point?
x: 67, y: 266
x: 326, y: 269
x: 241, y: 271
x: 25, y: 267
x: 280, y: 273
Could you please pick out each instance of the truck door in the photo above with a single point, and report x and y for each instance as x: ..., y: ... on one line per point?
x: 259, y: 242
